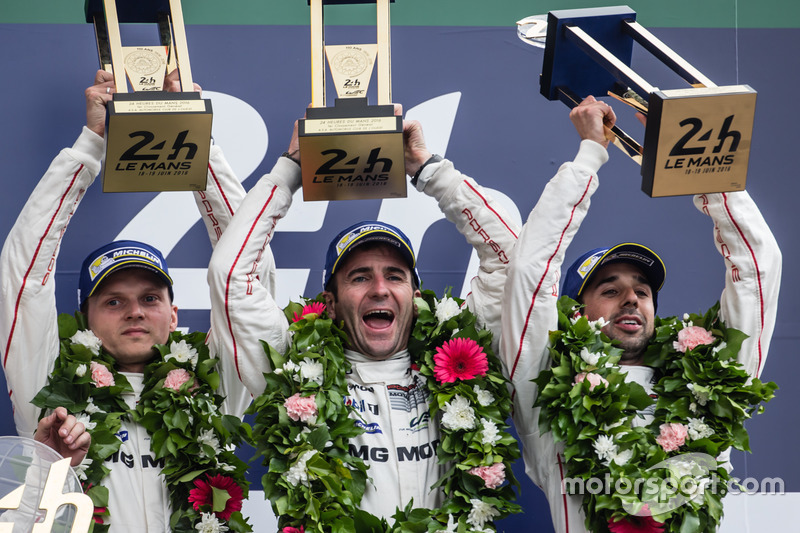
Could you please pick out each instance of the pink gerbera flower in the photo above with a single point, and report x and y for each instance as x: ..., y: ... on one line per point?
x: 459, y: 358
x: 315, y: 309
x: 290, y: 529
x: 227, y: 491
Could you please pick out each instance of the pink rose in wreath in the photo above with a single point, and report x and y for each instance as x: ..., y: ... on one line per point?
x: 176, y: 378
x: 672, y: 436
x: 593, y: 379
x: 302, y: 408
x: 492, y: 476
x: 692, y: 337
x: 101, y: 376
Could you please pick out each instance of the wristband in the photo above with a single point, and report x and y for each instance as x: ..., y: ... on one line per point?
x: 290, y: 156
x: 435, y: 158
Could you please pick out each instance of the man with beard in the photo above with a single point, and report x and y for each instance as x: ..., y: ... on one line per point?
x: 619, y: 284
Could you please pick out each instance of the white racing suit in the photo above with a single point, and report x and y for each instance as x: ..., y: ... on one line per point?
x: 748, y: 303
x: 400, y: 439
x: 138, y: 499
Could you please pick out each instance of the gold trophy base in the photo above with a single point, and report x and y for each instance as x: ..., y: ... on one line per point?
x: 352, y: 151
x: 698, y: 140
x: 157, y: 141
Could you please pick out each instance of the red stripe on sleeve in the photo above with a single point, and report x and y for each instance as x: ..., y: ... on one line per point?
x: 544, y: 275
x: 33, y: 261
x: 230, y: 274
x: 486, y: 203
x: 758, y: 277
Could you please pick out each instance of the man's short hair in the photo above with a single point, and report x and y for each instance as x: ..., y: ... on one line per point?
x: 367, y: 231
x: 116, y: 256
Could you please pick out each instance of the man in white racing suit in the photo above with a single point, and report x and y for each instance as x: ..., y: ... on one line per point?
x: 748, y: 303
x: 138, y: 498
x: 400, y: 440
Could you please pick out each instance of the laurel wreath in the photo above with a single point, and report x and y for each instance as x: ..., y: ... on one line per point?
x: 187, y: 430
x: 332, y: 481
x: 702, y: 388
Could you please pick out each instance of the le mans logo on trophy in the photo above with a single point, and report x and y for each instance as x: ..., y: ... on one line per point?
x: 155, y: 140
x: 697, y: 139
x: 352, y: 150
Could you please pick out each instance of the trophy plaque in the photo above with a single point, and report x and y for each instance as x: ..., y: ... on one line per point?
x: 155, y: 140
x: 352, y: 150
x: 697, y: 139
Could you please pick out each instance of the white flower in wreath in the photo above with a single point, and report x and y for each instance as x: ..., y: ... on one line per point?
x: 485, y: 398
x: 81, y: 371
x: 80, y: 470
x: 590, y: 358
x: 84, y: 419
x: 298, y: 473
x: 88, y: 339
x: 312, y: 371
x: 481, y: 513
x: 91, y: 408
x: 623, y: 457
x: 289, y: 367
x: 209, y: 523
x: 446, y: 308
x: 605, y: 448
x: 700, y: 393
x: 452, y: 525
x: 693, y: 407
x: 208, y: 438
x: 225, y: 467
x: 598, y: 324
x: 490, y: 434
x: 721, y: 346
x: 458, y: 415
x: 698, y: 429
x: 183, y: 353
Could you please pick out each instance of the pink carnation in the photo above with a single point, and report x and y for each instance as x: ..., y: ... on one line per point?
x: 290, y: 529
x: 493, y: 476
x: 176, y: 378
x: 593, y: 379
x: 672, y: 436
x: 101, y: 375
x: 691, y: 337
x: 302, y: 408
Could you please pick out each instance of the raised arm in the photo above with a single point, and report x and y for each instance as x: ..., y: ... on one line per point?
x: 28, y: 329
x: 752, y: 259
x: 243, y: 308
x: 531, y: 288
x: 483, y: 222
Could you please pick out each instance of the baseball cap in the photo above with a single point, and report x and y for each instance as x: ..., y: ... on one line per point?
x: 581, y: 271
x: 115, y: 256
x: 363, y: 232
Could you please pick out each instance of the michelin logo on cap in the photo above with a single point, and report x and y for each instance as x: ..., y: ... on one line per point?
x: 631, y: 256
x: 110, y: 258
x: 345, y: 241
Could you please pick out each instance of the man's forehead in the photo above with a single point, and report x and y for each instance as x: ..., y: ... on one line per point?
x: 614, y: 271
x: 364, y: 258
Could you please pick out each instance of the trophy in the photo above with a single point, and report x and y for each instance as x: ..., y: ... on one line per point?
x: 697, y: 139
x: 155, y: 140
x: 352, y: 150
